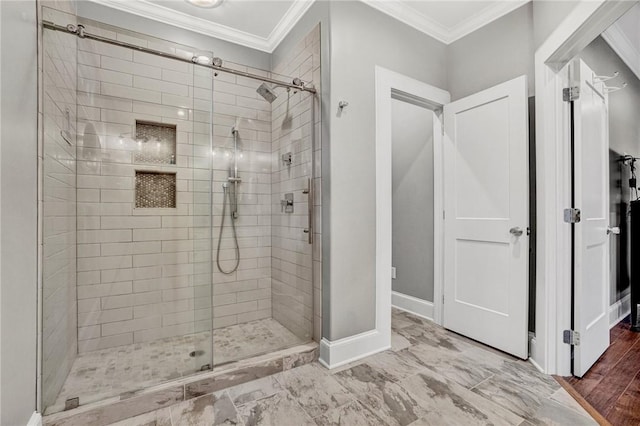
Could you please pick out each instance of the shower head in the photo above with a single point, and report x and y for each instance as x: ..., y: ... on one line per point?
x: 267, y: 92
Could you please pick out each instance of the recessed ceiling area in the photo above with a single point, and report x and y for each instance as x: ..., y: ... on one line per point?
x: 262, y: 24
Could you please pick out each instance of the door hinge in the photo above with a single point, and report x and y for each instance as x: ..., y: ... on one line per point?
x: 571, y: 337
x: 570, y: 94
x: 572, y: 215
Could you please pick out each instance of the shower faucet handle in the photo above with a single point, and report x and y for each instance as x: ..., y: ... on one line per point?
x: 286, y: 205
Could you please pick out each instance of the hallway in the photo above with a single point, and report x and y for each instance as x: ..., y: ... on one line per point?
x: 431, y: 376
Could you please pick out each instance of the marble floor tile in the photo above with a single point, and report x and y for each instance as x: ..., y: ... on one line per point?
x: 396, y: 365
x: 398, y: 342
x: 256, y: 389
x: 430, y: 377
x: 213, y: 409
x: 527, y: 396
x: 563, y: 398
x: 316, y: 391
x: 448, y: 403
x: 351, y: 414
x: 377, y: 391
x: 456, y: 366
x: 280, y: 409
x: 417, y: 334
x: 98, y: 375
x: 552, y: 413
x: 160, y: 417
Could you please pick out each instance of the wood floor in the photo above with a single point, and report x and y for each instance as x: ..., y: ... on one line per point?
x: 612, y: 386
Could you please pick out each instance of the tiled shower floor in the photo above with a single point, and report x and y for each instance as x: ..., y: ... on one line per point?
x: 109, y: 372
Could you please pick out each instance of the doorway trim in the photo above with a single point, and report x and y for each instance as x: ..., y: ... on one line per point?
x: 553, y: 264
x: 390, y: 85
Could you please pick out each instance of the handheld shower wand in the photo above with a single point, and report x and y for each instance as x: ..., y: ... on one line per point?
x: 230, y: 192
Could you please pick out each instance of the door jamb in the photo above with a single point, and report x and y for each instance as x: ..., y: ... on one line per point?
x: 388, y: 82
x: 553, y: 287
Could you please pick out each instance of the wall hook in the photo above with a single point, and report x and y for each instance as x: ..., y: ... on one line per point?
x: 611, y: 89
x: 343, y: 104
x: 603, y: 78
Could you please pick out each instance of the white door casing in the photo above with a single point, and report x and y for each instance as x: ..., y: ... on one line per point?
x: 591, y: 240
x: 486, y: 175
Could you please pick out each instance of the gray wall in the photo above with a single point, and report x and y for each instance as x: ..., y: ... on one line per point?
x: 226, y: 50
x: 547, y: 15
x: 18, y: 176
x: 412, y: 183
x: 366, y: 38
x: 624, y: 138
x: 497, y: 52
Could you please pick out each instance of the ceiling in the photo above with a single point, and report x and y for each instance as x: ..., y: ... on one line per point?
x: 262, y: 24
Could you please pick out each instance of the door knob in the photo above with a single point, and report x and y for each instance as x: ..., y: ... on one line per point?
x: 613, y: 230
x: 516, y: 231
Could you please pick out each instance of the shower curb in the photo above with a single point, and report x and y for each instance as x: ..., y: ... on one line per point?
x: 132, y: 404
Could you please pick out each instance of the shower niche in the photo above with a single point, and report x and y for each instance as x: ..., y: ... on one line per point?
x: 155, y: 190
x: 156, y: 143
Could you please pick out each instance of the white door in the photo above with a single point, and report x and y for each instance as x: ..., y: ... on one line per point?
x: 486, y: 172
x: 591, y: 240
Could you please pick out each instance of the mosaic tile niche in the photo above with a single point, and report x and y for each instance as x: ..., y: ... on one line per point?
x: 156, y: 143
x: 155, y: 189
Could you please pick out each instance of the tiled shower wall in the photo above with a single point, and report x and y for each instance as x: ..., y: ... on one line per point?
x: 143, y: 273
x: 137, y: 267
x: 58, y: 173
x: 244, y: 295
x: 296, y: 302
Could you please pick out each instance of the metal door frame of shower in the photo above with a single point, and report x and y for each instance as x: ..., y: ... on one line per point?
x: 79, y: 30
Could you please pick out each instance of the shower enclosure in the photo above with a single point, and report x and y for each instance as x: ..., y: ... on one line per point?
x: 177, y: 208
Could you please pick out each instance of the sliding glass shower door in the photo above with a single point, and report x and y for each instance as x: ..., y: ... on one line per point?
x: 127, y: 217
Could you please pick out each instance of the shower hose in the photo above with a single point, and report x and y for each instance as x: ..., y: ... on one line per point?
x: 227, y: 194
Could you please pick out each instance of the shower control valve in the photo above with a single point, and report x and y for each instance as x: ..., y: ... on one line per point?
x: 286, y: 205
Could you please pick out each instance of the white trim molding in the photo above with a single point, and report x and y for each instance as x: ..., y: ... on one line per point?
x: 625, y: 48
x: 169, y: 16
x: 340, y: 352
x: 413, y: 305
x: 619, y: 310
x: 35, y: 420
x: 400, y: 10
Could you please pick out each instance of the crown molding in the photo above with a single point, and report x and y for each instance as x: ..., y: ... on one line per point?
x: 399, y: 10
x: 288, y: 21
x: 407, y: 15
x: 626, y: 50
x: 495, y: 11
x: 175, y: 18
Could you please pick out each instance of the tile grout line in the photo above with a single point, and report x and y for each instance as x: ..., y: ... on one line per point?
x: 235, y: 407
x: 481, y: 382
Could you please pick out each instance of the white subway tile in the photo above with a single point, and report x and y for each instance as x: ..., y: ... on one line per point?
x: 116, y: 90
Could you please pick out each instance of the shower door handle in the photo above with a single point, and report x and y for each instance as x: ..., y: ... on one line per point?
x: 309, y: 192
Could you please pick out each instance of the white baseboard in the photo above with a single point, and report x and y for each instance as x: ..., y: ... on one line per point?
x: 619, y: 310
x: 343, y: 351
x: 413, y: 305
x: 35, y: 420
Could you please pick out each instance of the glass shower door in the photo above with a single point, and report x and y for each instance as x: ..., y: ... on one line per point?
x: 141, y: 172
